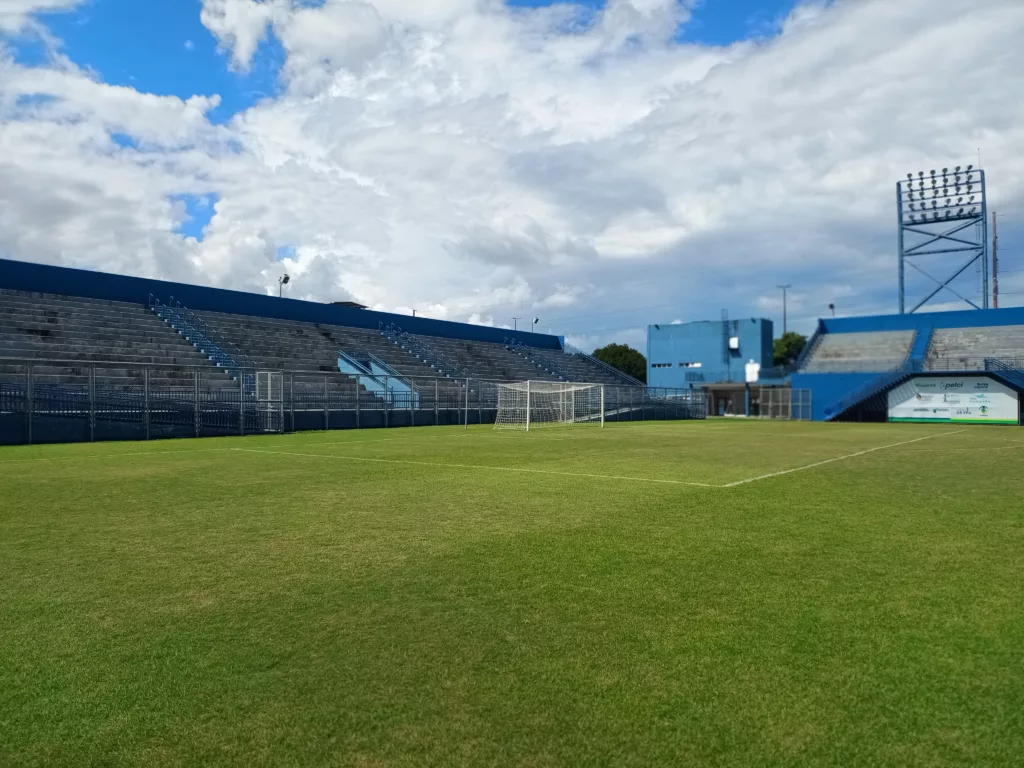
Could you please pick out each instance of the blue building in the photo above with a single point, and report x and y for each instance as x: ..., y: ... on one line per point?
x: 707, y: 352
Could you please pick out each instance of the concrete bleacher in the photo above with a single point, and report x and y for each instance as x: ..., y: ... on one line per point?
x: 483, y: 360
x: 967, y: 348
x: 290, y: 345
x: 872, y: 351
x: 122, y: 337
x: 576, y: 367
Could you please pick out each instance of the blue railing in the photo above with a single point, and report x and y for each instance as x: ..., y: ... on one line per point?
x: 200, y: 335
x: 873, y: 387
x: 1012, y: 369
x: 571, y: 350
x: 378, y: 377
x: 544, y: 366
x: 432, y: 357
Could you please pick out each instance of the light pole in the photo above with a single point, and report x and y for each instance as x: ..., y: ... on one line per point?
x: 282, y: 281
x: 784, y: 288
x: 833, y: 308
x: 514, y: 323
x: 534, y: 327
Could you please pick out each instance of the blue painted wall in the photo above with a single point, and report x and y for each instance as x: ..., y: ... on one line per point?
x: 42, y: 278
x: 706, y: 343
x: 829, y: 388
x: 968, y: 318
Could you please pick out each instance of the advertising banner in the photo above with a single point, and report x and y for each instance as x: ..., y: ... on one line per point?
x: 961, y: 399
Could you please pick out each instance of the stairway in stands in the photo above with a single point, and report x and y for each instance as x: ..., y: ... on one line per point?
x: 63, y: 334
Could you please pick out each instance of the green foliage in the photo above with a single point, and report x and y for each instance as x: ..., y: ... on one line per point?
x: 438, y: 596
x: 788, y: 347
x: 624, y: 358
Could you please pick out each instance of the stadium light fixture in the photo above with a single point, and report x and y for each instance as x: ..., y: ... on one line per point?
x: 282, y: 281
x: 947, y: 222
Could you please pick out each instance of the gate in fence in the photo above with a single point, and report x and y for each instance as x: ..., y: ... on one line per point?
x: 270, y: 400
x: 785, y: 403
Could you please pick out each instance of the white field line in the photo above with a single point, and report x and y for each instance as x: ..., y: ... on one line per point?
x: 838, y: 458
x: 443, y: 465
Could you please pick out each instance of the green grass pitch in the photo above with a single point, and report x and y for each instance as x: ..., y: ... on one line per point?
x: 648, y: 594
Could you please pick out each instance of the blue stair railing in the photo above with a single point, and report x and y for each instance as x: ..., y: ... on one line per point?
x: 350, y: 365
x: 1010, y: 369
x: 419, y: 349
x: 545, y: 366
x: 200, y: 335
x: 630, y: 380
x: 396, y: 382
x: 872, y: 388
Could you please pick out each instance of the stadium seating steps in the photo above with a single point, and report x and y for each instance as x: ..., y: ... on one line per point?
x: 48, y: 327
x: 967, y: 348
x: 854, y: 352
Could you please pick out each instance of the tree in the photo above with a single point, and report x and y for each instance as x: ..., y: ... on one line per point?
x: 624, y: 358
x: 788, y: 348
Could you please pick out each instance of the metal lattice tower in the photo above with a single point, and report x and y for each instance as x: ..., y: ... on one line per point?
x: 942, y: 214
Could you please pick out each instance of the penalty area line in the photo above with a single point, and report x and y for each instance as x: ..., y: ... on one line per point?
x: 837, y: 458
x: 479, y: 466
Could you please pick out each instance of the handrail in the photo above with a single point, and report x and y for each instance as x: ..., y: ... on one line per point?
x: 611, y: 368
x: 432, y: 357
x: 871, y: 388
x: 244, y: 360
x: 517, y: 347
x: 191, y: 328
x: 388, y: 369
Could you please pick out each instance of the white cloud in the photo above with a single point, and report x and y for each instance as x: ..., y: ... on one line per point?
x: 189, y: 45
x: 240, y: 25
x: 15, y: 15
x: 475, y: 161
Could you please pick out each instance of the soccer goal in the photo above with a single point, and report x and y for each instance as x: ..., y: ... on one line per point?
x: 528, y: 405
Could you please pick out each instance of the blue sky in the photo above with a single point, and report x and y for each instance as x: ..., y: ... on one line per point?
x: 503, y: 174
x: 161, y: 47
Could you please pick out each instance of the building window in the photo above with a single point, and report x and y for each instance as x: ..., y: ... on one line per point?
x: 661, y: 365
x: 691, y: 365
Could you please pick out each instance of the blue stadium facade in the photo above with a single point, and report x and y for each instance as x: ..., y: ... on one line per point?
x: 851, y: 364
x: 710, y: 352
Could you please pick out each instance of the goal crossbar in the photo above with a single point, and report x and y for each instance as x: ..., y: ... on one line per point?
x: 526, y: 405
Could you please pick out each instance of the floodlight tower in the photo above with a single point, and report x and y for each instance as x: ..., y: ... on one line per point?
x: 943, y: 213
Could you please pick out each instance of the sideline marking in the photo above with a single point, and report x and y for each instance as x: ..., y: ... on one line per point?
x: 838, y: 458
x: 479, y: 466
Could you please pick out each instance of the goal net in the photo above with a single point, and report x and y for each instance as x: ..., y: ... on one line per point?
x: 528, y: 405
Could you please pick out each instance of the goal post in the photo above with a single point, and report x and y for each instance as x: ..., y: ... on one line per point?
x: 526, y: 405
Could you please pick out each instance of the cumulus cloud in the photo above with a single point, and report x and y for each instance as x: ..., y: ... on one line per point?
x: 480, y: 162
x: 16, y: 15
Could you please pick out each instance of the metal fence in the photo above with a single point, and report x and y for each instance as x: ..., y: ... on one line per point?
x: 784, y: 403
x: 62, y: 401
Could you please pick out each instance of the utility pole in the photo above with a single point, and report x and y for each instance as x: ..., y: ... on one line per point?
x: 784, y: 289
x: 995, y: 263
x: 515, y: 323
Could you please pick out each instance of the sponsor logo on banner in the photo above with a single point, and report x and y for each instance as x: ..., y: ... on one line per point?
x: 948, y: 399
